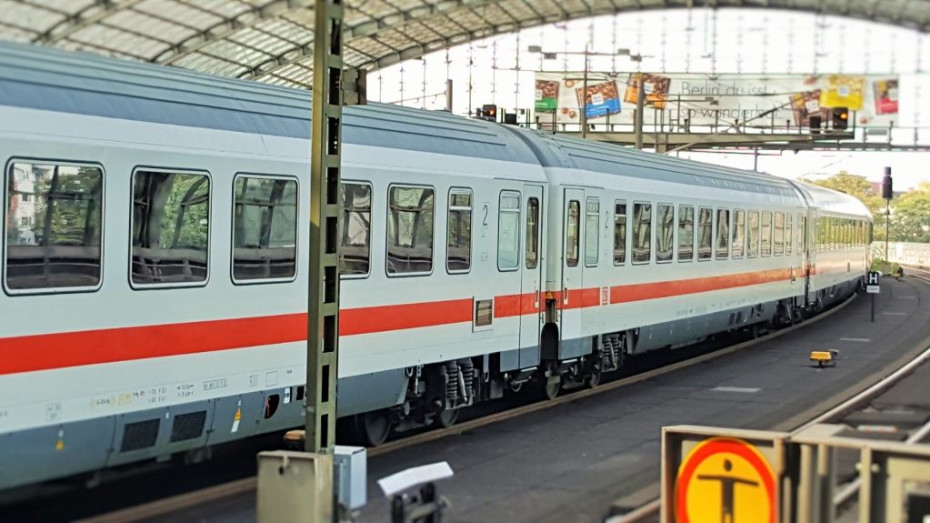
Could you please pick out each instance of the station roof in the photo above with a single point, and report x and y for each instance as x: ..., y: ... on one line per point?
x: 272, y: 40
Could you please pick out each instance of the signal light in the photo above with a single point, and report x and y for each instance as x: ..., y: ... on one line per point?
x: 840, y: 118
x: 887, y: 190
x: 489, y: 112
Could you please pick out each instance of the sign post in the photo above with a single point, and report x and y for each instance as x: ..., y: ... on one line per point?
x: 873, y: 287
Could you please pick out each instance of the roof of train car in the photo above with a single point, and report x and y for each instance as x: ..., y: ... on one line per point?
x: 48, y: 79
x: 609, y: 159
x: 834, y: 201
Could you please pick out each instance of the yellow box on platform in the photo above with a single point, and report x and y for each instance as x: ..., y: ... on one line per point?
x: 824, y: 357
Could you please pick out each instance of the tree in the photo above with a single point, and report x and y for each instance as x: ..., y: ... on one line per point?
x: 910, y: 219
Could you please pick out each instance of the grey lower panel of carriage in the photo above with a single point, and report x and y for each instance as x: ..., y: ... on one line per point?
x: 31, y: 456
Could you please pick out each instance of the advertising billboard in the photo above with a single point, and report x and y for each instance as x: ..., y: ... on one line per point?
x: 716, y: 100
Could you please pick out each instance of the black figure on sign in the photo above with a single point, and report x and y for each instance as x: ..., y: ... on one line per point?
x: 727, y: 487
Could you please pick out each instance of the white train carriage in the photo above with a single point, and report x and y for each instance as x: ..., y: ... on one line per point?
x: 154, y: 295
x: 662, y: 253
x: 840, y: 235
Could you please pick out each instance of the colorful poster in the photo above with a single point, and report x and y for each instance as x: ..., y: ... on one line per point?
x: 804, y: 105
x: 843, y: 91
x: 601, y: 99
x: 886, y: 95
x: 656, y: 87
x: 547, y: 96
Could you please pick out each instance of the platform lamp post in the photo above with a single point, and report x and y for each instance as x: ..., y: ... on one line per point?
x: 587, y: 53
x: 887, y: 194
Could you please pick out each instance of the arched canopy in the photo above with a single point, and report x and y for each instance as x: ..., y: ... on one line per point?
x: 272, y: 40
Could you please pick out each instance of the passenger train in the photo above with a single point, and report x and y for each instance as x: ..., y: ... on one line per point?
x: 154, y: 261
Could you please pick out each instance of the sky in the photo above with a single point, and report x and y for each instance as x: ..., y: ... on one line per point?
x: 501, y: 70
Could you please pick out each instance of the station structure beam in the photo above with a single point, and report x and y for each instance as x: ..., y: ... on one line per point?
x: 323, y: 292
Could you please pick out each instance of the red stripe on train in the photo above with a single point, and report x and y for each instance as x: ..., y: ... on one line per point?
x: 73, y: 349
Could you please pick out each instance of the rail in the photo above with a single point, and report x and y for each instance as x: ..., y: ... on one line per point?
x: 650, y: 510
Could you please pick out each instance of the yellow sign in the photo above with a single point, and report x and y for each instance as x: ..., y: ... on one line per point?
x: 843, y: 91
x: 725, y: 480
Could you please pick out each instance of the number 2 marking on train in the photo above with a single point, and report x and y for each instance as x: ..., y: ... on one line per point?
x: 484, y: 221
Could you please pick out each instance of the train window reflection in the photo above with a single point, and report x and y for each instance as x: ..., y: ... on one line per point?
x: 264, y: 228
x: 779, y: 243
x: 766, y: 233
x: 802, y: 232
x: 685, y: 233
x: 752, y: 234
x: 789, y: 233
x: 355, y: 237
x: 170, y: 227
x: 508, y: 232
x: 619, y: 232
x: 572, y: 230
x: 410, y: 230
x: 532, y: 233
x: 53, y: 226
x: 739, y: 233
x: 642, y: 232
x: 458, y: 235
x: 665, y: 232
x: 705, y: 233
x: 592, y: 229
x: 723, y: 234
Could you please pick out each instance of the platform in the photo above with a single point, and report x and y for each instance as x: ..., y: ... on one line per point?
x: 571, y: 462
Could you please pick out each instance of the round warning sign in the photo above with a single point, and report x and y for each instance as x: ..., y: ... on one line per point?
x: 725, y: 480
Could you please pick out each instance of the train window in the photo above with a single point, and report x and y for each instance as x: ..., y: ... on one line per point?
x: 170, y: 227
x: 642, y: 232
x: 705, y: 233
x: 665, y: 232
x: 264, y: 228
x: 355, y: 237
x: 532, y: 233
x: 685, y: 233
x: 723, y: 234
x: 572, y: 233
x: 752, y: 235
x: 619, y: 232
x: 802, y: 232
x: 508, y: 232
x: 592, y: 229
x: 779, y: 243
x: 53, y: 227
x: 789, y: 233
x: 410, y: 230
x: 766, y: 233
x: 739, y: 233
x: 458, y: 231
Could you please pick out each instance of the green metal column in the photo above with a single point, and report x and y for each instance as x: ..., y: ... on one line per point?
x: 323, y: 304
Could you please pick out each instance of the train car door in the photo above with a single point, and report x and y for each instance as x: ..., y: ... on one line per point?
x: 530, y: 302
x: 572, y: 282
x: 810, y: 255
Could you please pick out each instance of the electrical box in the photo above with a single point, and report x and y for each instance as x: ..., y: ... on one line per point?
x: 350, y: 474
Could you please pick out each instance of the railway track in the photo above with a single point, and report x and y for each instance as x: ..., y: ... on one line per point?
x: 169, y: 505
x: 846, y: 494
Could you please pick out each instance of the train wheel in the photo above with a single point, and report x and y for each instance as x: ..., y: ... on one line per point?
x: 594, y: 379
x: 550, y: 389
x: 447, y: 418
x: 374, y: 427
